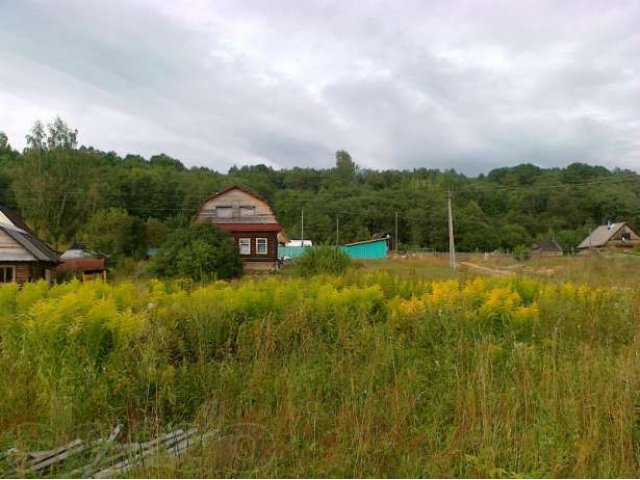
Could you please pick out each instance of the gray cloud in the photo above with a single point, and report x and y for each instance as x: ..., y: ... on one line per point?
x: 466, y: 85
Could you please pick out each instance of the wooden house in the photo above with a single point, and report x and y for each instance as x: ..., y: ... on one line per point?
x: 251, y: 221
x: 547, y: 247
x: 615, y: 235
x: 23, y: 256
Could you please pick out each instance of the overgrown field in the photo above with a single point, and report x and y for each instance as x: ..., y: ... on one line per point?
x: 370, y: 374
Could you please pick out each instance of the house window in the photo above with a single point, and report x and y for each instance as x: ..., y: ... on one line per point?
x: 245, y: 246
x: 247, y: 211
x: 224, y: 212
x: 6, y: 274
x: 626, y: 237
x: 261, y: 246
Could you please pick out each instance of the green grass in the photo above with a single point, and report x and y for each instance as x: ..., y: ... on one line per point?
x: 413, y: 268
x: 381, y: 372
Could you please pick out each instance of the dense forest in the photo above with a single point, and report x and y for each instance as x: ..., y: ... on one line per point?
x: 124, y: 205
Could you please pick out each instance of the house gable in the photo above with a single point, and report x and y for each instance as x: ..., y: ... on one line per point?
x: 625, y: 235
x: 236, y: 205
x: 615, y: 234
x: 12, y: 251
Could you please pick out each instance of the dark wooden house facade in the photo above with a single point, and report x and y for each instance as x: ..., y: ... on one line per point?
x: 251, y: 221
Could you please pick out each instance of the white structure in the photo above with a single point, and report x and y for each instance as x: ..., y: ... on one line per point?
x: 299, y: 243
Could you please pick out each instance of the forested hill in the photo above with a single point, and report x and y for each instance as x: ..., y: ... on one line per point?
x: 124, y: 205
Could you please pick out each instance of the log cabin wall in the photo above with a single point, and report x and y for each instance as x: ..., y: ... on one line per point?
x: 236, y: 199
x: 254, y: 256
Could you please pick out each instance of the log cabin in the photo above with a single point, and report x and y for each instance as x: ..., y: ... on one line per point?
x: 250, y: 220
x: 23, y: 256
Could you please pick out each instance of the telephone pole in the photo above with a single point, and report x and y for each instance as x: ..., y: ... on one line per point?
x: 395, y: 242
x: 302, y: 228
x: 452, y: 246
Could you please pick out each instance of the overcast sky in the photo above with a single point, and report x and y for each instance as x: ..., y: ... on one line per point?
x: 470, y: 85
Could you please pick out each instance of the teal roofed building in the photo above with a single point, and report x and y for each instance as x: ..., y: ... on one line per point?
x: 376, y: 249
x: 368, y: 250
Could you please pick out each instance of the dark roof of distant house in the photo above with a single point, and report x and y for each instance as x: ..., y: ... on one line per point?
x: 78, y: 250
x: 77, y: 246
x: 547, y: 245
x: 32, y: 244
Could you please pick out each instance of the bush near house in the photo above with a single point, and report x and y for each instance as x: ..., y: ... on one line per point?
x: 200, y: 252
x: 322, y: 259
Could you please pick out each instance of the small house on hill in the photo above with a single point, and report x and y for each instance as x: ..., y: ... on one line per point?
x: 251, y: 221
x: 80, y: 262
x: 547, y: 247
x: 618, y: 235
x: 23, y: 256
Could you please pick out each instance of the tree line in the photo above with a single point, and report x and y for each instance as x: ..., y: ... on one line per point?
x: 123, y: 205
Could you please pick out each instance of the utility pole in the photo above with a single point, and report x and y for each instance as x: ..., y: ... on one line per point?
x: 396, y: 237
x: 452, y: 246
x: 337, y: 230
x: 302, y: 228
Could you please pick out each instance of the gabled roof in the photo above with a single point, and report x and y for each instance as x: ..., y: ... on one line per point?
x: 32, y: 244
x: 601, y: 235
x: 76, y: 250
x: 239, y: 223
x: 12, y: 218
x: 236, y: 187
x: 547, y: 245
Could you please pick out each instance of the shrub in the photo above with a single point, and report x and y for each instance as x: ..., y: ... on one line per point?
x: 200, y: 252
x: 114, y: 233
x: 322, y: 259
x: 521, y: 253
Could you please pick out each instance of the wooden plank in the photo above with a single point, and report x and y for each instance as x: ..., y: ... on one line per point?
x: 151, y: 447
x: 115, y: 433
x: 60, y: 455
x: 87, y: 469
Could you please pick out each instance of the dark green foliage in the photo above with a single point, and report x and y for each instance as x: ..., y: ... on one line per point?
x: 56, y: 190
x: 58, y: 187
x: 114, y: 232
x: 200, y: 252
x: 521, y: 252
x: 322, y: 259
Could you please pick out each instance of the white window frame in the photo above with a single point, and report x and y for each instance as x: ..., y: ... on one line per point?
x: 266, y: 246
x: 244, y: 246
x: 227, y: 209
x: 3, y: 276
x: 247, y: 211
